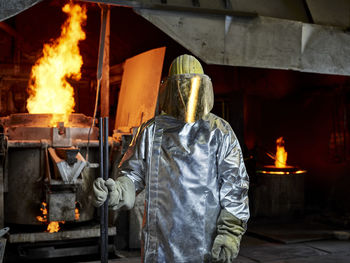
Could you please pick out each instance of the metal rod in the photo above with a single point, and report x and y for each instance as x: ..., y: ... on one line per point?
x: 102, y: 209
x: 105, y: 120
x: 104, y: 10
x: 105, y: 174
x: 104, y: 13
x: 104, y: 98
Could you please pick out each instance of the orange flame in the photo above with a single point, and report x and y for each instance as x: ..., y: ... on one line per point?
x: 52, y: 226
x: 49, y: 90
x: 281, y: 154
x: 44, y: 212
x: 77, y: 215
x: 76, y: 210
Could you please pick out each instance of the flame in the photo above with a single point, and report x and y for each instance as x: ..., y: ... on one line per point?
x: 281, y: 154
x: 77, y: 215
x: 280, y: 162
x: 44, y: 212
x: 52, y: 226
x: 49, y: 90
x: 76, y: 211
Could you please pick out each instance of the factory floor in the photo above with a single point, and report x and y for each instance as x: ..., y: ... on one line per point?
x: 306, y: 241
x: 298, y: 242
x: 254, y: 249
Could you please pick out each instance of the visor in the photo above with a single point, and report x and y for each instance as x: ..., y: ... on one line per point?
x: 187, y: 97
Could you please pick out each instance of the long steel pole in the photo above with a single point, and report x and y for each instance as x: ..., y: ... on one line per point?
x: 104, y: 207
x: 103, y: 243
x: 105, y: 174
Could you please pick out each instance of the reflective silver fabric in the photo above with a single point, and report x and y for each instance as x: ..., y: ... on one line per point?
x: 187, y: 97
x: 191, y: 171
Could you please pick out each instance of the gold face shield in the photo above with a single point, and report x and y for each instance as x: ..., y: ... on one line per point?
x: 187, y: 97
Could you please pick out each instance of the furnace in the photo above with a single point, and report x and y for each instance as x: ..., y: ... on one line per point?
x: 279, y: 190
x: 48, y: 179
x: 45, y: 164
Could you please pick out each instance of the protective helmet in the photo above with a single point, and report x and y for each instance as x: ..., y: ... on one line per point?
x: 187, y: 93
x: 185, y: 64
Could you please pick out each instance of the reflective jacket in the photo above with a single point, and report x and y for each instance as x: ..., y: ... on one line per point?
x: 190, y: 171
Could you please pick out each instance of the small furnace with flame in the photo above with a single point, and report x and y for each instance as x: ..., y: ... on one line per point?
x: 47, y: 177
x: 280, y: 188
x: 44, y: 169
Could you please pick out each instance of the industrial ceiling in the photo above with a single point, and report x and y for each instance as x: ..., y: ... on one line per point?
x: 302, y: 35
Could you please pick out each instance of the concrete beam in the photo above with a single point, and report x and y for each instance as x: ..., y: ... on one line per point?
x: 261, y: 42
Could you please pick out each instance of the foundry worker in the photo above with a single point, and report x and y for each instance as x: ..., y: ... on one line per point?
x: 191, y: 164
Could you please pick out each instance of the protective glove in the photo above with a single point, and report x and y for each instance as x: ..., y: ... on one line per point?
x: 121, y: 193
x: 229, y: 233
x: 100, y: 192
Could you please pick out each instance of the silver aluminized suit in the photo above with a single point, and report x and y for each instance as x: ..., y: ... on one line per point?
x: 190, y: 171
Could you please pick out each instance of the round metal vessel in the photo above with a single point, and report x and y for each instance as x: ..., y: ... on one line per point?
x: 279, y: 192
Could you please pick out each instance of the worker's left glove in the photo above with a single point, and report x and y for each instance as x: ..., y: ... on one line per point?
x: 229, y: 233
x: 121, y: 193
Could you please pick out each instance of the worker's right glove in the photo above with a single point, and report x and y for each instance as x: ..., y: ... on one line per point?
x: 229, y: 234
x: 121, y: 193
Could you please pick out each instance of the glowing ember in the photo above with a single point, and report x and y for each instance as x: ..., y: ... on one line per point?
x: 49, y: 90
x: 281, y: 154
x: 53, y: 226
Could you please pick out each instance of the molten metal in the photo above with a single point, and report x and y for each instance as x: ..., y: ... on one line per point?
x: 284, y: 172
x: 49, y: 89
